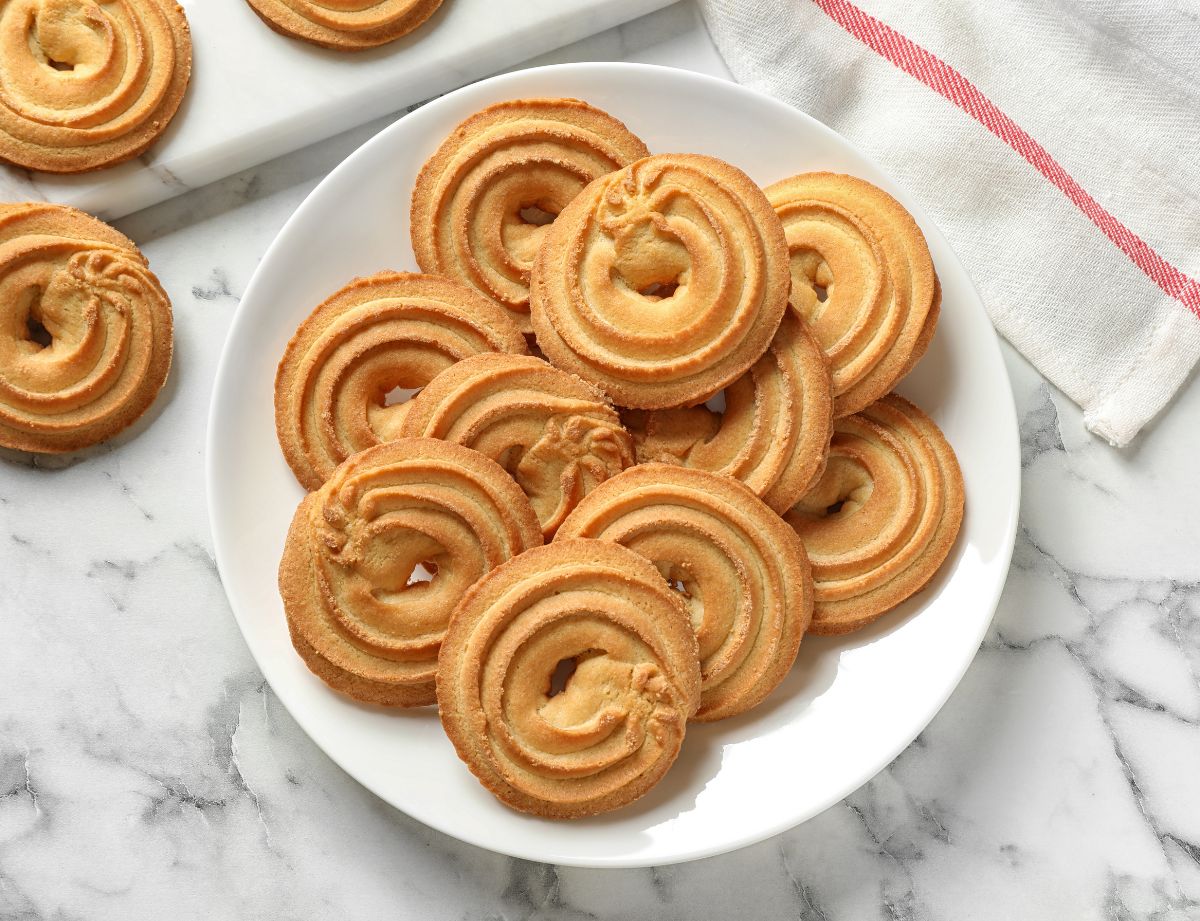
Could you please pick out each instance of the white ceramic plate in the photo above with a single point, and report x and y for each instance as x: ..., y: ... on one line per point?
x: 849, y: 706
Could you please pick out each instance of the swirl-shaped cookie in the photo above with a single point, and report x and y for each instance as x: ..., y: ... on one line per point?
x: 663, y: 282
x: 386, y: 331
x: 345, y: 25
x: 616, y: 726
x: 483, y: 201
x: 862, y: 277
x: 358, y: 615
x: 86, y: 84
x: 556, y: 435
x: 774, y: 432
x: 85, y: 330
x: 884, y: 516
x: 742, y: 571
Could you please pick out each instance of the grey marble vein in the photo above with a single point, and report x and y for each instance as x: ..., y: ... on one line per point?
x: 1039, y: 429
x: 216, y: 288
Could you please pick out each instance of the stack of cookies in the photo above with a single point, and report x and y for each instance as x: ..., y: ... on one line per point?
x: 596, y: 472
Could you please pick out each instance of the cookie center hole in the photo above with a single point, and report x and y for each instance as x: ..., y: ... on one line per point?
x: 716, y: 403
x: 60, y: 65
x: 422, y: 574
x: 400, y: 395
x: 660, y: 290
x: 850, y: 498
x: 677, y: 578
x: 538, y: 217
x: 810, y: 272
x: 561, y: 675
x: 37, y: 332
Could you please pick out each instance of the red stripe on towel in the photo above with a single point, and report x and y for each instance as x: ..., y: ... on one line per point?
x: 948, y: 82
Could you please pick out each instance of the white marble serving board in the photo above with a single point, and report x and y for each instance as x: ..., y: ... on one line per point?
x: 256, y: 95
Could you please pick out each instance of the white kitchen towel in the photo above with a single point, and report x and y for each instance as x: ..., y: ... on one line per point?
x: 1056, y: 143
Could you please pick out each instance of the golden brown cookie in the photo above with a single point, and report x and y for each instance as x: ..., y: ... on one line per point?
x: 773, y: 434
x: 884, y: 516
x: 663, y: 282
x: 357, y: 615
x: 556, y: 435
x: 87, y: 84
x: 741, y: 571
x: 386, y: 331
x: 85, y: 330
x: 345, y: 25
x: 483, y: 201
x: 862, y: 277
x: 615, y: 725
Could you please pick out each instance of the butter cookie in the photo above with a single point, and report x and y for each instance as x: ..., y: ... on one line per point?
x: 883, y: 518
x: 358, y: 614
x: 556, y: 435
x: 567, y: 677
x: 86, y: 84
x: 387, y: 331
x: 345, y: 25
x: 862, y: 278
x: 483, y: 202
x: 773, y: 433
x: 740, y: 570
x: 85, y: 330
x: 663, y: 282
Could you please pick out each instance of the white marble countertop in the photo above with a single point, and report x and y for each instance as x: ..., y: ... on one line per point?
x: 146, y: 771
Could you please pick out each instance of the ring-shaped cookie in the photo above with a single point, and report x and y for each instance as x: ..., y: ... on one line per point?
x: 742, y: 572
x: 357, y: 612
x: 862, y: 278
x: 85, y: 85
x: 773, y: 433
x: 387, y: 331
x: 482, y: 202
x: 614, y: 727
x: 85, y: 330
x: 345, y: 25
x: 883, y: 518
x: 663, y: 282
x: 556, y: 434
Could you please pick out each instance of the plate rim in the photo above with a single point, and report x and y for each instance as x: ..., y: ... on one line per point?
x: 222, y: 383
